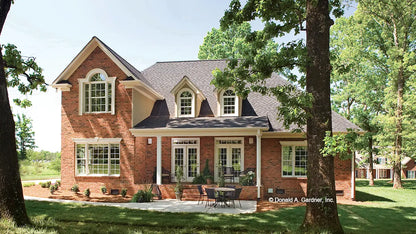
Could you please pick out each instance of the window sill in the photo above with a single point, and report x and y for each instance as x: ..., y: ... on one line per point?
x: 97, y: 175
x: 294, y: 177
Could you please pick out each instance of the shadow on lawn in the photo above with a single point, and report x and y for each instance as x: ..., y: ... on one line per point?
x: 363, y: 196
x: 377, y: 220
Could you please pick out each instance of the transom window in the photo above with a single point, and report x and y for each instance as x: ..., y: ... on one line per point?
x: 294, y: 161
x: 97, y: 92
x: 186, y: 103
x: 97, y: 159
x: 229, y: 103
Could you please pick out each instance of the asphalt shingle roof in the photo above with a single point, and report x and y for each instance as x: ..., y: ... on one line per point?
x: 163, y: 76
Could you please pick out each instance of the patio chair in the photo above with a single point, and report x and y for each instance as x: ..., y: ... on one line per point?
x: 229, y: 173
x: 202, y: 194
x: 236, y: 196
x: 210, y: 195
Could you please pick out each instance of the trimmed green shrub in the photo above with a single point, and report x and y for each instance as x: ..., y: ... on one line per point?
x: 29, y: 184
x: 58, y: 182
x: 103, y: 189
x: 52, y: 189
x: 199, y: 179
x: 75, y: 188
x: 46, y: 184
x: 123, y: 192
x: 87, y: 192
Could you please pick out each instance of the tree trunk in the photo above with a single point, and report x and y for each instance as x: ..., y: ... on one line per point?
x: 12, y: 204
x: 397, y: 180
x: 370, y: 160
x: 319, y: 216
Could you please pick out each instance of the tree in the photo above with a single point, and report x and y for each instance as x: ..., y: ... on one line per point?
x: 396, y: 20
x: 12, y: 204
x: 24, y: 136
x: 228, y: 43
x: 359, y: 77
x: 311, y: 107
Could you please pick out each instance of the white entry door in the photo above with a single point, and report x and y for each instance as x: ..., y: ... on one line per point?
x: 229, y: 153
x: 185, y: 154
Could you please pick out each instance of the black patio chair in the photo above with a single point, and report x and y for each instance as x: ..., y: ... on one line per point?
x: 202, y: 194
x: 229, y: 173
x: 210, y: 195
x: 236, y: 196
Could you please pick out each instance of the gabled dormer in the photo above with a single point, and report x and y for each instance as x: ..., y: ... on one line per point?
x: 228, y: 103
x: 188, y: 98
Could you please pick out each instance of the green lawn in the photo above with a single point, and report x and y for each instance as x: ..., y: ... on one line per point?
x: 385, y: 211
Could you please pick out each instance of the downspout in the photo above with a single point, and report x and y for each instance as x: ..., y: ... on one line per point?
x: 353, y: 177
x: 159, y: 160
x: 258, y: 162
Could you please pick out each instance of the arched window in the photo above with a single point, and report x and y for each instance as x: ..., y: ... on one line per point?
x: 186, y: 103
x: 97, y: 92
x: 229, y: 103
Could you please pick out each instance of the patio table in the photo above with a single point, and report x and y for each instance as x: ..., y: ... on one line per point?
x: 222, y: 195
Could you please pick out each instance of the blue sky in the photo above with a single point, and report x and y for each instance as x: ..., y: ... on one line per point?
x: 141, y: 31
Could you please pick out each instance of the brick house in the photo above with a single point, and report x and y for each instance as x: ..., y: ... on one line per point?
x: 382, y: 168
x: 124, y: 128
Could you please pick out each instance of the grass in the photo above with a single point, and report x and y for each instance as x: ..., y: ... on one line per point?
x: 37, y: 170
x: 384, y: 210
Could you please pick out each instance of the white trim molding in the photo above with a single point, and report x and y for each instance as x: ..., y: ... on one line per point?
x: 178, y: 103
x: 97, y: 140
x: 198, y: 132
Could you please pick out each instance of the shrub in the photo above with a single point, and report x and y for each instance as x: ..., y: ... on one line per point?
x: 103, y: 189
x: 55, y: 186
x: 46, y: 184
x: 29, y: 184
x: 199, y: 179
x: 123, y: 192
x: 143, y: 195
x: 247, y: 180
x: 87, y: 192
x: 52, y: 189
x: 75, y: 188
x: 58, y: 182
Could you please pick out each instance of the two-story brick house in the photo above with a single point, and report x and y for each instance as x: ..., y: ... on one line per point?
x: 122, y: 127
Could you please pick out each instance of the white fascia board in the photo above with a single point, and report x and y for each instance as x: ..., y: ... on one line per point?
x: 62, y: 87
x: 97, y: 140
x: 196, y: 132
x: 142, y: 88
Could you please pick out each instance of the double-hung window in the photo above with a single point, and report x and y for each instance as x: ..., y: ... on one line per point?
x: 97, y: 92
x: 100, y: 158
x: 229, y: 103
x: 186, y: 103
x: 294, y: 160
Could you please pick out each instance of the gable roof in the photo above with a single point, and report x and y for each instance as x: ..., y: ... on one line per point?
x: 125, y: 66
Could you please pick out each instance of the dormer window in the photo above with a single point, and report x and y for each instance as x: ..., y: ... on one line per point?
x: 186, y: 103
x: 229, y: 103
x: 97, y: 92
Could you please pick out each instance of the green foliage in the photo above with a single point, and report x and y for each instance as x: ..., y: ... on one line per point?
x: 24, y: 135
x: 18, y: 66
x: 103, y: 189
x: 87, y: 192
x: 179, y: 179
x: 123, y: 192
x: 199, y: 179
x: 52, y: 189
x: 247, y: 180
x: 340, y: 145
x: 75, y: 188
x: 40, y: 165
x: 58, y: 183
x: 145, y: 195
x: 28, y: 184
x: 206, y: 172
x: 46, y: 184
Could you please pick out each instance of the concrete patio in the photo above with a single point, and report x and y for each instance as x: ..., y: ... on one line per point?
x: 168, y: 205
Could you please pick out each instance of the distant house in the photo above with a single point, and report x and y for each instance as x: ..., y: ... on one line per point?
x: 123, y: 128
x: 382, y: 169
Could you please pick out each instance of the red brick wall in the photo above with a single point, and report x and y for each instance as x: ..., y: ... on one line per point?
x: 97, y: 125
x: 293, y: 186
x: 410, y: 166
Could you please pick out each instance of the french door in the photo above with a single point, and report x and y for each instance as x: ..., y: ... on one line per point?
x: 185, y: 154
x: 229, y: 152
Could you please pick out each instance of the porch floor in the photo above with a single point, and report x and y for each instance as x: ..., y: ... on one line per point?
x: 168, y: 205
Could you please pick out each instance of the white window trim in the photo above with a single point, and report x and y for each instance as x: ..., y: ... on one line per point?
x: 197, y: 145
x: 96, y: 141
x: 216, y: 156
x: 291, y: 144
x: 178, y: 103
x: 236, y: 103
x: 86, y: 80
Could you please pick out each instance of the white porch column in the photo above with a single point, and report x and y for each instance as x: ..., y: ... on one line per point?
x: 258, y: 162
x: 159, y: 160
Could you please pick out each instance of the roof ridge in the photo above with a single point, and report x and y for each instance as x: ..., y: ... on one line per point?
x: 195, y: 60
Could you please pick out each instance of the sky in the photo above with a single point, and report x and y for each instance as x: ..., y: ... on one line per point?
x: 141, y: 31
